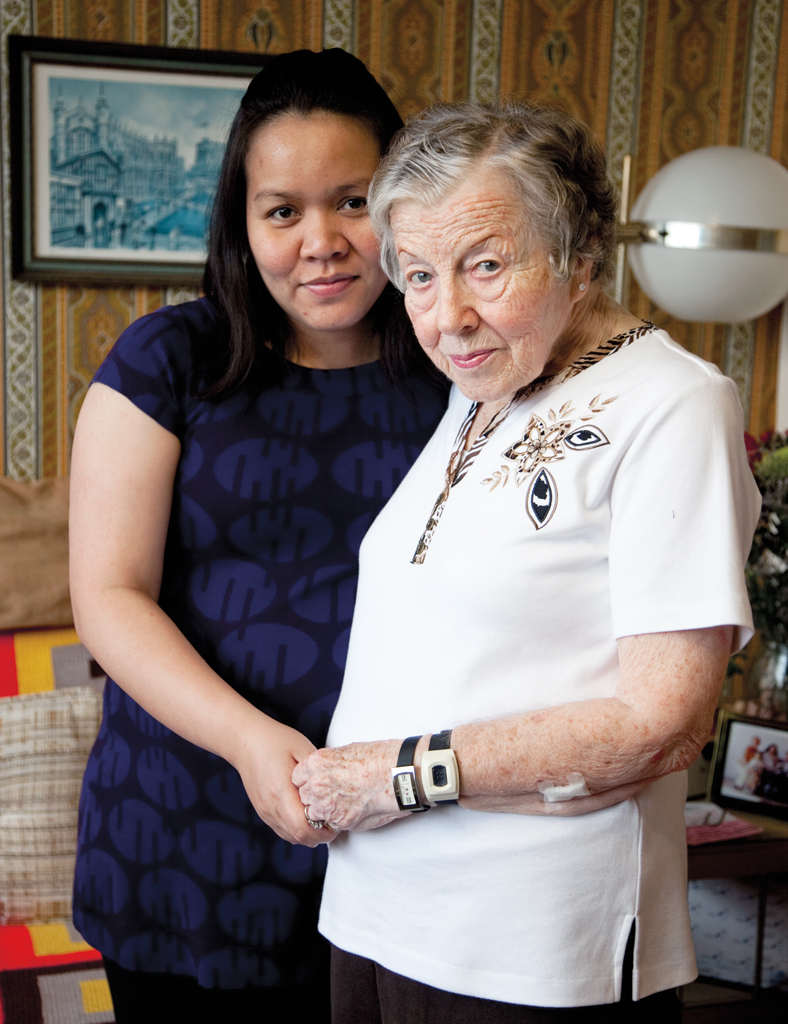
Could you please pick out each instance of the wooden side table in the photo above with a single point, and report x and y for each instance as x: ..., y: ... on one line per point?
x: 755, y: 857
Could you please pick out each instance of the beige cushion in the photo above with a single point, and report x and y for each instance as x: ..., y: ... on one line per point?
x: 45, y: 739
x: 34, y: 554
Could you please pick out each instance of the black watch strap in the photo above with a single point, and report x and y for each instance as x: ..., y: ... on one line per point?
x: 404, y: 778
x: 440, y: 740
x: 407, y: 751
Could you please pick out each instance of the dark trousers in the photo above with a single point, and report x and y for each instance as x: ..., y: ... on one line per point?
x: 363, y: 992
x: 140, y: 997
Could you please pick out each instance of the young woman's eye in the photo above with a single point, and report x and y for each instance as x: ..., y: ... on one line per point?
x: 282, y: 213
x: 355, y: 203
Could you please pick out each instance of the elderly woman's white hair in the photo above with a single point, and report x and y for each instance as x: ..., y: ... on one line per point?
x: 554, y: 162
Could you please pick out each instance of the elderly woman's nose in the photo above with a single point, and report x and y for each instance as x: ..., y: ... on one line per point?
x: 455, y: 313
x: 323, y: 238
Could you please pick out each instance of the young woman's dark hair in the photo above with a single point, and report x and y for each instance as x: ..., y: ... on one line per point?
x: 253, y: 326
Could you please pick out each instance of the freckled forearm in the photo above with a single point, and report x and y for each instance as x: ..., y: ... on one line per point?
x: 656, y: 723
x: 603, y: 740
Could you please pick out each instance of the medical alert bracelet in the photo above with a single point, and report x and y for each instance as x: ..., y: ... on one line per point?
x: 440, y: 777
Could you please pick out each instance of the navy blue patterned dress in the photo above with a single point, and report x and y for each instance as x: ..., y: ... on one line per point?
x: 274, y: 490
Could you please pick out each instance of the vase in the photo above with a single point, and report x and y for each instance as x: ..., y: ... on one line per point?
x: 766, y: 686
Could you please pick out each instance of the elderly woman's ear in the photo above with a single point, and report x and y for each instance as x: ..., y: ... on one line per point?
x: 582, y: 276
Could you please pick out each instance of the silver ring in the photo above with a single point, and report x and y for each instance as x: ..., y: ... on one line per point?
x: 314, y: 824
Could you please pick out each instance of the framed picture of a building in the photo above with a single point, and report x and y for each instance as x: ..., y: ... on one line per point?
x: 116, y: 151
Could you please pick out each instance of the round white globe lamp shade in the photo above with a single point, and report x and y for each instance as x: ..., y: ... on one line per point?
x: 718, y: 185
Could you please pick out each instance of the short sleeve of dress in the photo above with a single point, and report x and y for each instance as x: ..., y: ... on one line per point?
x: 684, y: 506
x: 151, y: 363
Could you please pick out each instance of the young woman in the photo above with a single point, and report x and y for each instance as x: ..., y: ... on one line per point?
x: 228, y: 459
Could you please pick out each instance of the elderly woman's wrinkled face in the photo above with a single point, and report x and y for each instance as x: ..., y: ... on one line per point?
x: 490, y: 314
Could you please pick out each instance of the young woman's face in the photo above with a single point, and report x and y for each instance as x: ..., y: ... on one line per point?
x: 307, y: 222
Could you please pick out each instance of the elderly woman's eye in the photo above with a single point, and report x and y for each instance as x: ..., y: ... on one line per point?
x: 420, y: 277
x: 488, y: 266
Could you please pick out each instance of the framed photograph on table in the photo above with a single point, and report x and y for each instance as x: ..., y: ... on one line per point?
x: 750, y: 765
x: 116, y: 152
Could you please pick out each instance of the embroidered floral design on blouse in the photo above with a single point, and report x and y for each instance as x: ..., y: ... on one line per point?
x: 542, y: 443
x: 539, y: 444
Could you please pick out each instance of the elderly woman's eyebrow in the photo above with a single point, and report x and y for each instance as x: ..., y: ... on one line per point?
x: 360, y: 185
x: 494, y: 239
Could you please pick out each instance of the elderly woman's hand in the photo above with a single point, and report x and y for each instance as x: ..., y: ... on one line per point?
x: 350, y: 787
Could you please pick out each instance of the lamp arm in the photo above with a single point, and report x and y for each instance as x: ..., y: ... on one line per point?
x: 679, y: 234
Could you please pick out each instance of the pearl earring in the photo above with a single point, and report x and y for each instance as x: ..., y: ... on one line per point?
x: 581, y: 287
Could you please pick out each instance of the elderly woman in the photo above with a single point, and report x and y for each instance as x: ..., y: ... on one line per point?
x: 545, y: 611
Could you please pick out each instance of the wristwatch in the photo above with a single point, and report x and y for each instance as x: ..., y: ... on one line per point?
x: 404, y: 778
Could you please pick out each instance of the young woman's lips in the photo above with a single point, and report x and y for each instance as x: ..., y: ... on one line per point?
x: 327, y: 287
x: 472, y: 359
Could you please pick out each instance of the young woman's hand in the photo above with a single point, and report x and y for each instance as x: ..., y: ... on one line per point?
x: 267, y: 754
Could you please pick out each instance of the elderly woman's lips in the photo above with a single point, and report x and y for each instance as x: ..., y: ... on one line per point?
x: 328, y: 286
x: 471, y: 359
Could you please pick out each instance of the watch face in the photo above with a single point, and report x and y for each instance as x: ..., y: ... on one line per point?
x: 407, y: 795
